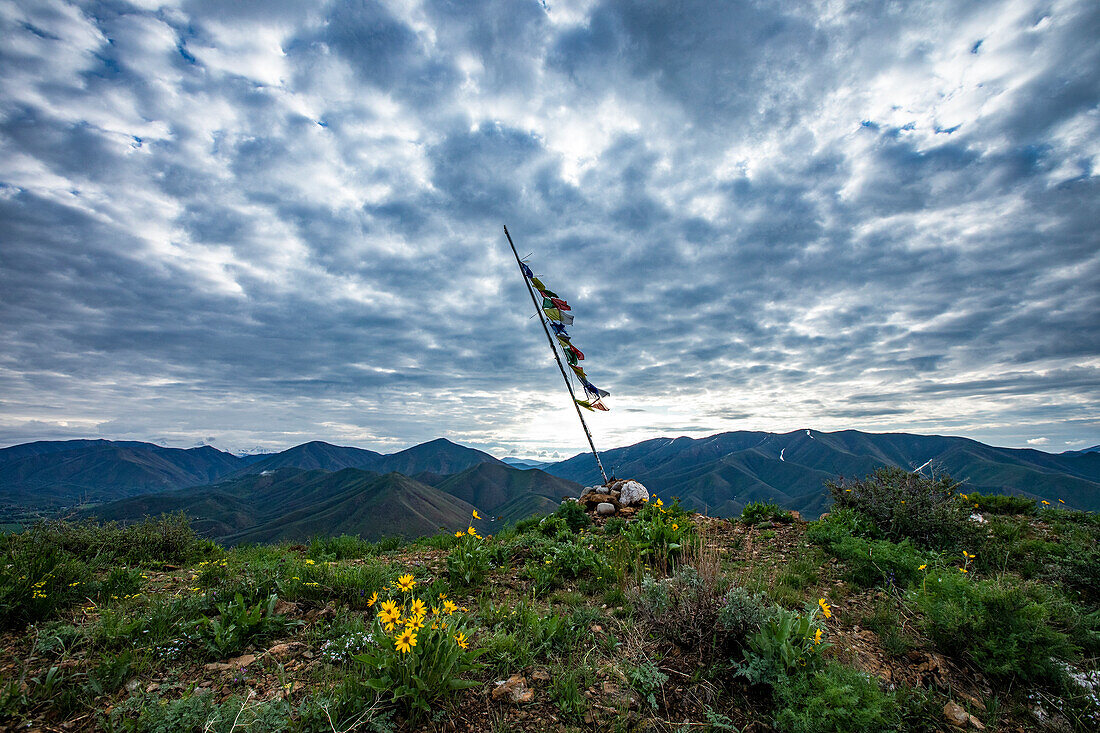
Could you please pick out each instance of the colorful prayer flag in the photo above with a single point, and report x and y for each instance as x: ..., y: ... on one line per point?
x: 561, y: 304
x: 526, y: 270
x: 552, y: 313
x: 584, y: 403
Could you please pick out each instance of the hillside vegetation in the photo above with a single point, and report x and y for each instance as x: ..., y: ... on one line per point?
x: 907, y: 607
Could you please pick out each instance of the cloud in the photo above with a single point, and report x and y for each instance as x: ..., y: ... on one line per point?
x: 266, y: 223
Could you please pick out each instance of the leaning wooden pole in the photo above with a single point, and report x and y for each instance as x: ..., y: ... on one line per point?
x: 561, y: 367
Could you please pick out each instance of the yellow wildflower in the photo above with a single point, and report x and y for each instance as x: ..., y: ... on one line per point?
x: 414, y: 622
x: 922, y: 567
x: 418, y: 608
x: 310, y: 562
x: 963, y: 570
x: 475, y: 514
x: 817, y: 637
x: 460, y: 639
x: 373, y: 599
x: 449, y: 607
x: 389, y: 605
x: 660, y: 503
x: 471, y: 531
x: 675, y: 526
x: 435, y: 610
x: 1046, y: 502
x: 459, y: 533
x: 406, y: 641
x: 406, y: 582
x: 442, y: 596
x: 388, y: 617
x: 825, y: 608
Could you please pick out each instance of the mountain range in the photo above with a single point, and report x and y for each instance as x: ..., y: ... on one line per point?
x: 721, y: 473
x: 322, y: 488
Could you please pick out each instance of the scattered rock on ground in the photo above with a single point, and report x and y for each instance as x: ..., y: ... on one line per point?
x: 605, y: 508
x: 514, y: 689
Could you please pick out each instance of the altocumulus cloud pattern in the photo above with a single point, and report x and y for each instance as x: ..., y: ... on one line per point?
x: 257, y: 223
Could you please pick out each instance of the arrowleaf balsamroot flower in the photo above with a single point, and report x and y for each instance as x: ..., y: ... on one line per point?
x: 475, y: 514
x: 418, y: 608
x: 406, y: 641
x: 373, y: 599
x: 471, y: 531
x: 825, y: 608
x: 406, y: 582
x: 460, y: 639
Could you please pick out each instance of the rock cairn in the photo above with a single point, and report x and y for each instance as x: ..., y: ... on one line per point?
x: 620, y: 497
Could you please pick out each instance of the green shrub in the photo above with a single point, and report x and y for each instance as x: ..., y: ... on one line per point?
x: 1003, y: 627
x: 615, y: 526
x: 343, y: 547
x: 574, y: 515
x: 905, y: 505
x: 997, y: 503
x: 759, y: 511
x: 524, y: 526
x: 167, y: 539
x: 565, y: 560
x: 868, y: 562
x: 38, y: 582
x: 742, y: 613
x: 834, y: 698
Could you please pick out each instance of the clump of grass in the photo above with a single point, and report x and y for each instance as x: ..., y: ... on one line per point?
x: 756, y: 512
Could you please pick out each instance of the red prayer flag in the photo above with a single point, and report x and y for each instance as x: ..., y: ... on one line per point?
x: 561, y: 304
x: 576, y: 352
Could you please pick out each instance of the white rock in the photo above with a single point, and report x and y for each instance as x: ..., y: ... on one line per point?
x: 604, y: 508
x: 632, y: 492
x: 975, y: 517
x: 589, y: 490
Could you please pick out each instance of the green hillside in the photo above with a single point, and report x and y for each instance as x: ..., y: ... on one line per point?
x: 722, y: 473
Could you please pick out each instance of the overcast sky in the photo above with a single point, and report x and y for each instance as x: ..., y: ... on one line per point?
x: 265, y: 222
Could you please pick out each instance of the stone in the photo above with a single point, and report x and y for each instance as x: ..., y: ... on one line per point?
x: 540, y: 675
x: 796, y: 516
x: 284, y: 607
x: 590, y: 490
x: 632, y: 493
x: 289, y: 649
x: 515, y: 689
x: 242, y: 661
x: 955, y: 715
x: 604, y: 508
x: 217, y: 667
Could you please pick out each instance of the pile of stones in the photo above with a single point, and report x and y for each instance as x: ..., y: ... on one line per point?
x: 619, y: 497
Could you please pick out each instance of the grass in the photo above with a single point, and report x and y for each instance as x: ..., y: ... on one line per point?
x: 629, y: 625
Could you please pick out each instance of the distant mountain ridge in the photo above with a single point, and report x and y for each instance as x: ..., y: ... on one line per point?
x: 721, y: 473
x: 718, y: 474
x: 64, y: 473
